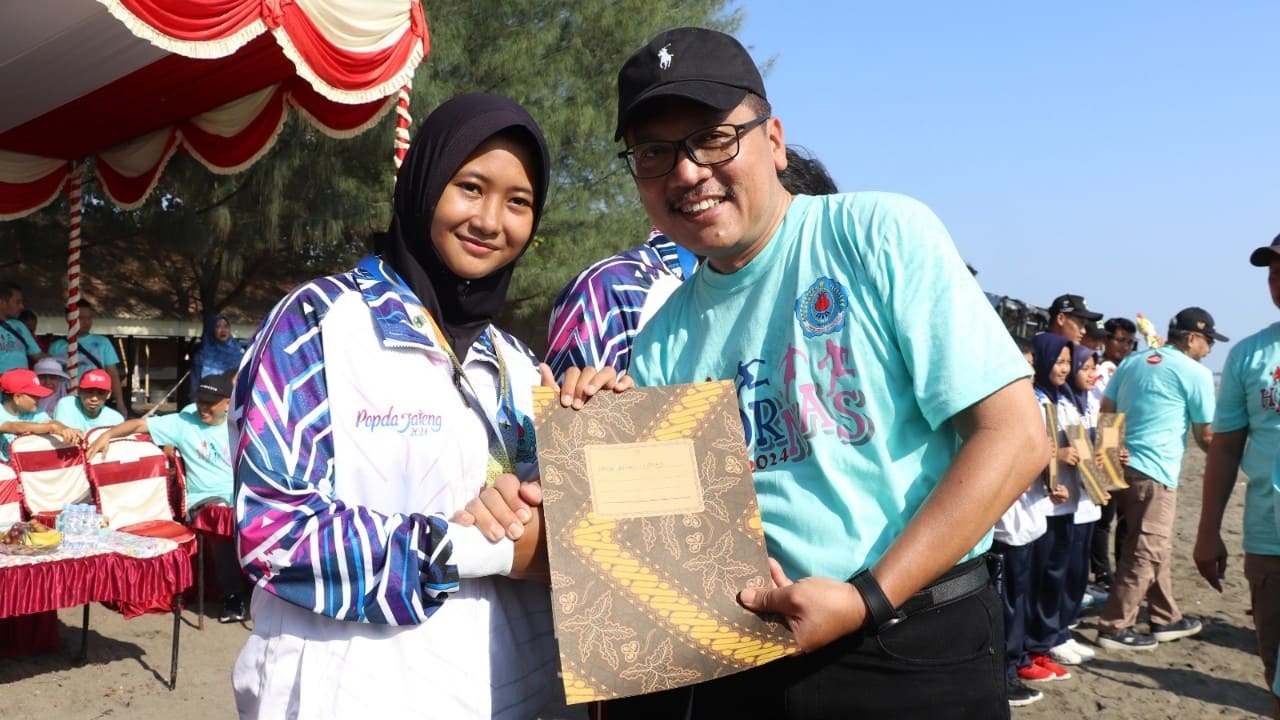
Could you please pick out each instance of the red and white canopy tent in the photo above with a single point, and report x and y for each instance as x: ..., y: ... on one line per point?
x: 125, y: 84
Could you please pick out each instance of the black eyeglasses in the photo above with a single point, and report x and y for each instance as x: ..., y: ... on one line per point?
x: 1207, y: 338
x: 709, y: 146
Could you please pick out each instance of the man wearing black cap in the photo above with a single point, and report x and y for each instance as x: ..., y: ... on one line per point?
x: 1070, y: 317
x: 840, y: 318
x: 1246, y: 433
x: 1163, y: 392
x: 199, y: 432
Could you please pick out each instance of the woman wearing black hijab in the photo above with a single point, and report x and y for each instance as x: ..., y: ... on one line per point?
x: 373, y: 406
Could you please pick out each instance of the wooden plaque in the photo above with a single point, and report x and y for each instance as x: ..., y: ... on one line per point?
x: 1078, y: 436
x: 1051, y: 425
x: 1110, y: 438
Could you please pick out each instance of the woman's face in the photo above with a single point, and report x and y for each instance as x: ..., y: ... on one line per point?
x: 1061, y: 368
x: 222, y: 330
x: 485, y: 215
x: 53, y: 382
x: 1085, y: 375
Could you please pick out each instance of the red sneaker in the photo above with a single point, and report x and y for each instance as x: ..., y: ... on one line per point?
x: 1035, y: 673
x: 1046, y: 662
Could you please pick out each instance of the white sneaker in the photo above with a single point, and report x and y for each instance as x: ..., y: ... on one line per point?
x: 1064, y: 655
x: 1085, y: 652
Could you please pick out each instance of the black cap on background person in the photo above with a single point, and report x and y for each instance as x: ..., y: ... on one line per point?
x: 1073, y: 305
x: 213, y: 388
x: 1263, y: 256
x: 1195, y: 320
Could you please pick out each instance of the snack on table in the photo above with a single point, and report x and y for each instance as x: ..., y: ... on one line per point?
x: 31, y: 533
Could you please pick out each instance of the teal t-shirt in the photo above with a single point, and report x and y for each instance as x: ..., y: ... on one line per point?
x: 205, y: 451
x: 16, y: 346
x: 69, y: 412
x: 1249, y: 397
x: 853, y: 338
x: 6, y: 416
x: 1162, y: 392
x: 100, y: 347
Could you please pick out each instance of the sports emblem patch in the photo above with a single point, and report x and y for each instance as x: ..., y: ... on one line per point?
x: 823, y: 308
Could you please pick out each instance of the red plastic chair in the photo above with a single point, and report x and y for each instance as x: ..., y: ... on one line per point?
x: 51, y: 474
x: 131, y: 486
x: 131, y: 489
x: 216, y: 521
x: 10, y: 497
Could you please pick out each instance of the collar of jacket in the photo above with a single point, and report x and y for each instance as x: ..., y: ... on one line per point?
x: 389, y: 299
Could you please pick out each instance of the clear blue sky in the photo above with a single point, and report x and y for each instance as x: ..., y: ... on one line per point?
x: 1127, y: 152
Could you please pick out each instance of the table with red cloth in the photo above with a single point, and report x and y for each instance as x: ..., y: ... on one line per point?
x: 116, y: 567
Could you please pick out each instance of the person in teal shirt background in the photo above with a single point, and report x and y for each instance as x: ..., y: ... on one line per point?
x: 18, y: 348
x: 20, y: 388
x: 94, y: 351
x: 1163, y: 392
x: 1246, y: 434
x: 87, y: 408
x: 200, y: 433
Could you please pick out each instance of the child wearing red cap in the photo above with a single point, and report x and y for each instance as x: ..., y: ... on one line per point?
x: 20, y: 389
x: 88, y: 409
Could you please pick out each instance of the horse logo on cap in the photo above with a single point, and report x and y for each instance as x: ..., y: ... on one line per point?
x: 665, y: 57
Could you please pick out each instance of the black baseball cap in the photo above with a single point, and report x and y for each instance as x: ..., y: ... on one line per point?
x: 1095, y: 330
x: 213, y: 388
x: 1196, y: 320
x: 1073, y: 305
x: 705, y: 66
x: 1263, y: 256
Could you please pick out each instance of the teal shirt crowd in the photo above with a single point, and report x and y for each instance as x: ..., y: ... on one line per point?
x: 853, y: 338
x: 1162, y: 392
x: 7, y: 438
x: 205, y: 452
x: 97, y: 345
x: 1249, y: 398
x: 17, y: 346
x: 70, y: 412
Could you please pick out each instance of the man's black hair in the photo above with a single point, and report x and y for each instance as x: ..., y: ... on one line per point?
x: 1119, y: 323
x: 8, y: 288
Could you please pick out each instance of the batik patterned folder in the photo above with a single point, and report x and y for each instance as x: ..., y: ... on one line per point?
x: 1110, y: 440
x: 652, y: 529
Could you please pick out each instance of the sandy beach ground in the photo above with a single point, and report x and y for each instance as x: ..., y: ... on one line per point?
x: 1214, y: 675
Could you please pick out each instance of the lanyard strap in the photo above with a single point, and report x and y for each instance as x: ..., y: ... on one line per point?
x: 503, y: 430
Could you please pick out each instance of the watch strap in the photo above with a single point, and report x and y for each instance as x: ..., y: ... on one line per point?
x: 880, y: 612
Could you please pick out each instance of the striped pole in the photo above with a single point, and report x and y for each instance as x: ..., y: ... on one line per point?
x: 402, y: 125
x: 73, y: 273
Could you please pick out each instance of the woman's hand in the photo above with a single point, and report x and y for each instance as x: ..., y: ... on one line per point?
x: 1059, y: 495
x: 1069, y: 455
x: 529, y: 558
x: 502, y: 510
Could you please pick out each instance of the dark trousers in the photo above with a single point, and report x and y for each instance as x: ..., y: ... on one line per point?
x: 1017, y: 585
x: 1077, y: 576
x: 940, y: 663
x: 1047, y: 623
x: 1101, y: 550
x: 226, y: 563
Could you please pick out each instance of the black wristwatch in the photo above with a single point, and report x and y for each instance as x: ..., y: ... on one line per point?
x: 880, y: 613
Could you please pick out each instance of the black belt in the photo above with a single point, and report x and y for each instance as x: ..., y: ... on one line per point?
x: 959, y: 582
